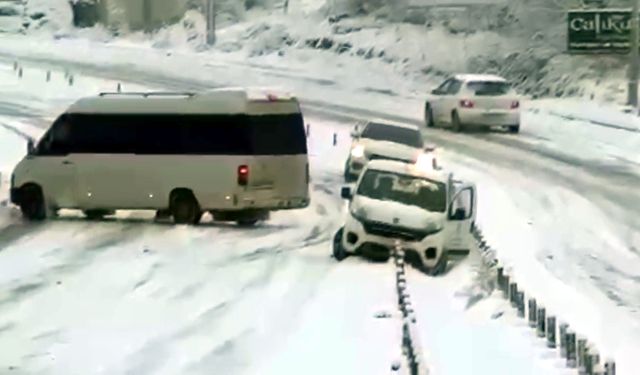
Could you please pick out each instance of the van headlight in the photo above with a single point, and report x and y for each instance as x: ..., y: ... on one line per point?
x: 359, y: 214
x: 433, y: 228
x: 357, y: 152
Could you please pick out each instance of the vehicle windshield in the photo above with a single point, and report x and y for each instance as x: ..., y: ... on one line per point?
x: 395, y: 134
x: 489, y: 88
x: 413, y: 191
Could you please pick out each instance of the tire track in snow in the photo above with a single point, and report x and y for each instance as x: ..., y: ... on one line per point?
x: 81, y: 255
x: 269, y: 264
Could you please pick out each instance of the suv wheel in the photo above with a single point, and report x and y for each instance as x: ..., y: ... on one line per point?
x: 455, y: 122
x: 440, y: 267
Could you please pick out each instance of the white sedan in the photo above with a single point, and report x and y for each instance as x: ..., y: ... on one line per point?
x: 473, y: 100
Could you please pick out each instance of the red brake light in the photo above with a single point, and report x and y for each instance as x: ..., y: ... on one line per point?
x: 515, y: 104
x: 466, y: 103
x: 243, y: 175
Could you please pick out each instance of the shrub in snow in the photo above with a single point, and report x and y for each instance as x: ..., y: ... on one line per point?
x: 10, y: 10
x: 265, y: 39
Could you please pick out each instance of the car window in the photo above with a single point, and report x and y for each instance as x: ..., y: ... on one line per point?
x: 396, y: 134
x: 489, y: 88
x: 444, y: 87
x: 454, y: 87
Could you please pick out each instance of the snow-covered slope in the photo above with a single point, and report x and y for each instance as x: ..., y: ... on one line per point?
x: 413, y: 39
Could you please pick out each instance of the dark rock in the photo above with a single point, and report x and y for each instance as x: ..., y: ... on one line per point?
x: 9, y: 11
x: 36, y: 16
x: 344, y: 47
x: 337, y: 18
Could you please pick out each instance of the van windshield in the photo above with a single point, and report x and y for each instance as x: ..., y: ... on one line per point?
x: 413, y: 191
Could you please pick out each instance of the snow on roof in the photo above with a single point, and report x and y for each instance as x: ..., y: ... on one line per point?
x: 223, y: 100
x: 407, y: 169
x: 479, y: 77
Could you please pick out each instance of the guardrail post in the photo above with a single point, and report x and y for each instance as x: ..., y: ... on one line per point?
x: 20, y: 72
x: 335, y: 139
x: 48, y: 76
x: 551, y: 332
x: 520, y: 304
x: 513, y: 292
x: 71, y: 79
x: 582, y: 352
x: 592, y: 361
x: 505, y: 287
x: 571, y: 350
x: 542, y: 317
x: 15, y: 66
x: 500, y: 272
x: 119, y: 87
x: 610, y: 367
x: 563, y: 339
x: 308, y: 130
x: 533, y: 313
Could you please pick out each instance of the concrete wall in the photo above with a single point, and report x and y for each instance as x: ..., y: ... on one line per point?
x: 142, y: 14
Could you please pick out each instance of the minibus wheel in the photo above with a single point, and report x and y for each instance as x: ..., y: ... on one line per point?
x: 185, y: 208
x: 32, y: 203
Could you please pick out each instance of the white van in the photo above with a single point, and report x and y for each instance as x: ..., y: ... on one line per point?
x: 423, y: 208
x: 236, y: 153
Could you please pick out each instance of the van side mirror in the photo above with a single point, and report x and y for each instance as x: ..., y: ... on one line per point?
x: 436, y: 92
x: 355, y: 133
x: 345, y: 193
x: 31, y: 148
x: 459, y: 214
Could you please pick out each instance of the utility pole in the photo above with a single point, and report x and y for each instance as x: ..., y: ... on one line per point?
x: 211, y: 22
x: 634, y: 55
x: 146, y: 16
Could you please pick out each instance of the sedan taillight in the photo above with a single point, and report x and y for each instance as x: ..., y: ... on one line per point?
x: 466, y: 103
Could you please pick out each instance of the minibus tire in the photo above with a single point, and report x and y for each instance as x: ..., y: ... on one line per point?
x: 185, y: 208
x: 32, y: 203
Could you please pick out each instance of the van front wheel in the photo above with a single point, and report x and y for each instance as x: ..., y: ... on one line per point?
x: 32, y: 203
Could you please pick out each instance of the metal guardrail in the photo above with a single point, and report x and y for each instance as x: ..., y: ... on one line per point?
x: 576, y: 349
x: 410, y: 336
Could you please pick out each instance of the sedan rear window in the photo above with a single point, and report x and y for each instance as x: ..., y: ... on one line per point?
x: 382, y: 132
x: 489, y: 88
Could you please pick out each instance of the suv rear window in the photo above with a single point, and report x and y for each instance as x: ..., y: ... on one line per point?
x: 382, y: 132
x: 489, y: 88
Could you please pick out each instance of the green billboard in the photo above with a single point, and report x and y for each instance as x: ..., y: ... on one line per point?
x: 599, y: 31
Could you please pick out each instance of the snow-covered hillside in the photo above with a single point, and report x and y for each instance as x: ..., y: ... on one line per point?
x: 521, y: 40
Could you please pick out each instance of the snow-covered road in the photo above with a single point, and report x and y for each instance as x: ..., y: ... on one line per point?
x: 131, y: 296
